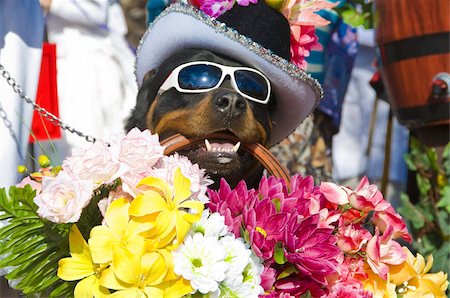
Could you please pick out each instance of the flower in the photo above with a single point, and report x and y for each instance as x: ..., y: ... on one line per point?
x: 413, y: 278
x: 389, y: 217
x: 167, y: 207
x: 216, y: 8
x: 104, y: 203
x: 210, y: 225
x: 231, y: 203
x: 62, y: 198
x: 351, y: 238
x: 168, y: 165
x: 348, y: 291
x: 312, y: 250
x: 95, y: 163
x: 119, y: 230
x: 81, y: 266
x: 366, y: 197
x: 28, y: 181
x: 135, y: 276
x: 138, y: 150
x: 381, y: 251
x: 201, y: 260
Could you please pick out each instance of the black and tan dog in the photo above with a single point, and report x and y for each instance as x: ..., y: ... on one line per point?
x: 197, y: 115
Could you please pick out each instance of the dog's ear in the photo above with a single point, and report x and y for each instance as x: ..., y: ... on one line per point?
x: 145, y: 98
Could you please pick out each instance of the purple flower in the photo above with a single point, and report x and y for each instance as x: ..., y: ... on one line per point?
x: 216, y: 8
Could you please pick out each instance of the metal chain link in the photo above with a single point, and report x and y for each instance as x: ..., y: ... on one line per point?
x: 52, y: 118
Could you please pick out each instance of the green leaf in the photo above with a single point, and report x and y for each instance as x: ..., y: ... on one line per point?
x: 278, y: 254
x: 64, y: 289
x: 444, y: 201
x: 409, y: 162
x: 423, y: 184
x: 353, y: 18
x: 410, y: 212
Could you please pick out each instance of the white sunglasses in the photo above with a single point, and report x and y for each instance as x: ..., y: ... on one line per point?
x: 204, y: 76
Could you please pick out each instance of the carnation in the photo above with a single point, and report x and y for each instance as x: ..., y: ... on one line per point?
x: 62, y: 198
x: 166, y: 167
x: 94, y: 163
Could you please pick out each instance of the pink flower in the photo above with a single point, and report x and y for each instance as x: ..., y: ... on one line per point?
x: 28, y: 181
x: 246, y: 2
x: 166, y: 167
x: 303, y: 40
x: 94, y: 164
x: 310, y: 249
x: 138, y: 150
x: 230, y: 203
x: 381, y: 251
x: 340, y: 290
x: 63, y: 198
x: 390, y: 217
x: 216, y: 8
x: 352, y: 238
x: 268, y: 277
x: 365, y: 197
x: 104, y: 203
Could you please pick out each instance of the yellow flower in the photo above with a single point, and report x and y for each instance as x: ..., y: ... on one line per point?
x: 167, y: 209
x: 380, y: 288
x: 413, y: 279
x: 119, y: 230
x: 81, y: 266
x: 135, y: 276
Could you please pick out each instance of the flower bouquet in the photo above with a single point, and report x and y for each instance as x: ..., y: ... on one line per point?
x: 120, y: 219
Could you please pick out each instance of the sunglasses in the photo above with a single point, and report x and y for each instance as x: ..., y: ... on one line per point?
x: 204, y: 76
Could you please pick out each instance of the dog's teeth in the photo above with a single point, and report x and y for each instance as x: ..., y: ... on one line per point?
x: 236, y: 147
x: 208, y: 145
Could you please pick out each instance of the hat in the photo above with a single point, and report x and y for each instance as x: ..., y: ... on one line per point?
x: 256, y: 35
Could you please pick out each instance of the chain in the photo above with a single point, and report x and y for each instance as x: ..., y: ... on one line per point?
x: 52, y: 118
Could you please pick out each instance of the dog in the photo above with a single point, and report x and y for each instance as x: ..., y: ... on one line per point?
x: 197, y: 115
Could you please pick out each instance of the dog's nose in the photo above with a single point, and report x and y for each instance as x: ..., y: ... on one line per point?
x: 230, y: 103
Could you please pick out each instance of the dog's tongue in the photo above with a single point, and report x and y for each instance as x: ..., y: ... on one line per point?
x: 222, y: 146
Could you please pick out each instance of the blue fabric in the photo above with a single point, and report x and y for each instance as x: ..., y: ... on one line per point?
x: 340, y: 56
x: 154, y: 8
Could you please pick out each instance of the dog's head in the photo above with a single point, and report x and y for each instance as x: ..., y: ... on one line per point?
x: 197, y: 115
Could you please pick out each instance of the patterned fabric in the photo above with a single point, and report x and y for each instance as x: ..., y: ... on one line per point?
x: 307, y: 150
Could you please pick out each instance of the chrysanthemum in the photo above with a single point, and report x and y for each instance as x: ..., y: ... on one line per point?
x: 210, y: 225
x: 201, y: 260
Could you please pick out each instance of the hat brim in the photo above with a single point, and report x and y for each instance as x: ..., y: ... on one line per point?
x: 182, y: 26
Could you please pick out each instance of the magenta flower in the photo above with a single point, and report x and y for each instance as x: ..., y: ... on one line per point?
x: 230, y: 203
x: 303, y: 40
x: 216, y: 8
x: 264, y: 227
x: 312, y: 250
x: 268, y: 277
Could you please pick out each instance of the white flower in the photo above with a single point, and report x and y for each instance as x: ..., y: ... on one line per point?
x: 95, y: 164
x: 210, y: 225
x: 237, y: 256
x: 63, y: 198
x: 201, y: 261
x: 138, y: 150
x: 165, y: 169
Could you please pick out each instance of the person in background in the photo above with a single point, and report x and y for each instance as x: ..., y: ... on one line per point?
x: 358, y: 149
x: 21, y: 36
x: 96, y: 87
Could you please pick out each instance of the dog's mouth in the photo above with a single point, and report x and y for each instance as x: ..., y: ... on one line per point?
x: 222, y: 156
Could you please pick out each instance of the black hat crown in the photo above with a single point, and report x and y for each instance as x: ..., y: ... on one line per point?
x: 262, y: 24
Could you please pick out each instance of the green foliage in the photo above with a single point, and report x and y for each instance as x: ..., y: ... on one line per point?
x: 430, y: 213
x: 33, y: 245
x: 357, y: 13
x: 30, y: 244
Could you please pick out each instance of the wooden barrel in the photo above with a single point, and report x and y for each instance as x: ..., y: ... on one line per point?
x: 414, y: 41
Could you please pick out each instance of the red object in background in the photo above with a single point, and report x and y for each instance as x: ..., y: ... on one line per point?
x: 46, y: 97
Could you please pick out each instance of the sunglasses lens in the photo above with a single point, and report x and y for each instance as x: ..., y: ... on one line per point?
x: 251, y: 84
x: 200, y: 76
